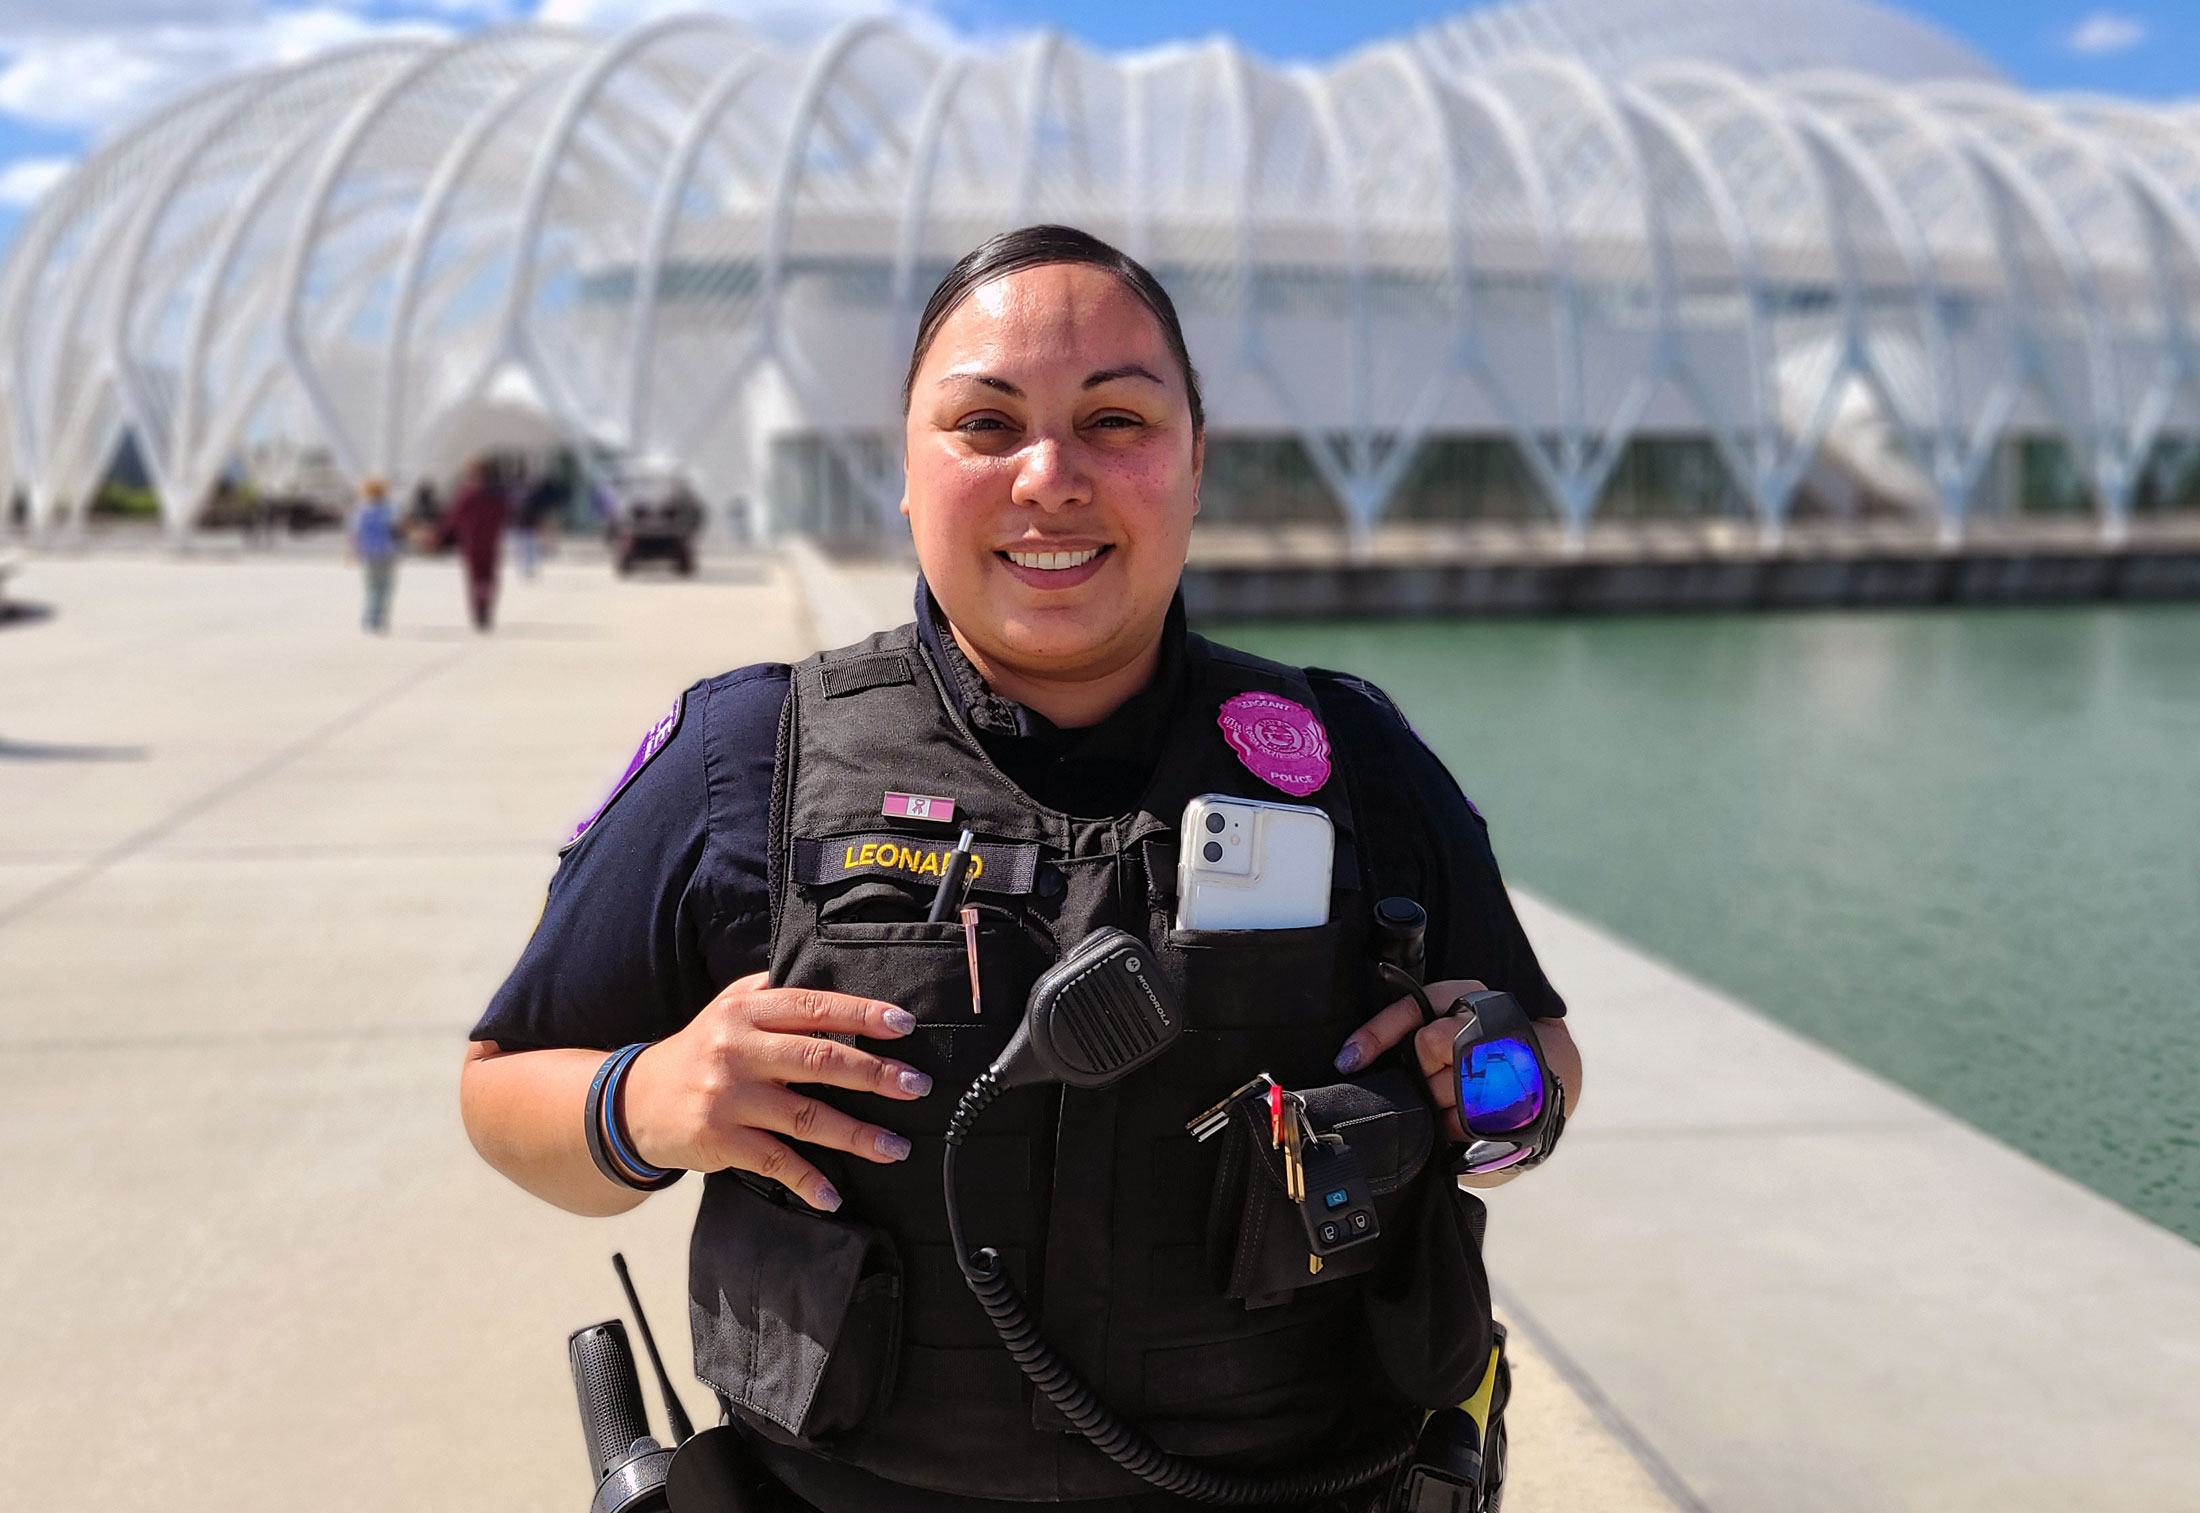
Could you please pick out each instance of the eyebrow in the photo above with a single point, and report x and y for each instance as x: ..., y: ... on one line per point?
x: 1104, y: 376
x: 1128, y: 370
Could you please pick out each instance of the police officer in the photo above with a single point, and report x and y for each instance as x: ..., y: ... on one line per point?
x: 748, y: 908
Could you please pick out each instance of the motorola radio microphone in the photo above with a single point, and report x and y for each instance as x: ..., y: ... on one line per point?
x: 1099, y: 1014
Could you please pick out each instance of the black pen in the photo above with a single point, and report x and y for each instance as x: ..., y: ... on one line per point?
x: 951, y: 890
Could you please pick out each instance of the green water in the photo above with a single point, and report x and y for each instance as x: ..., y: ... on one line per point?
x: 1962, y: 848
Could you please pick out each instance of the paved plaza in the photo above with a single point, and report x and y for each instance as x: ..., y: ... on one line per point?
x: 259, y: 871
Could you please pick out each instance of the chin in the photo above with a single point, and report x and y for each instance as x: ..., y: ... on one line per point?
x: 1056, y: 639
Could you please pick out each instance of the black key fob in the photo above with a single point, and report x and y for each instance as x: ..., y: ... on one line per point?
x: 1339, y: 1208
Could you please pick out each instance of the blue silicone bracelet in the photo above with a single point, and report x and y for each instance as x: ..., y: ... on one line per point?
x: 606, y: 1127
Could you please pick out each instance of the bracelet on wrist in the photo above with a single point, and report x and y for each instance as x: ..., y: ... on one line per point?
x: 604, y: 1122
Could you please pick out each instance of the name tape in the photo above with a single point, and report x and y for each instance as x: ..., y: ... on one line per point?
x: 995, y: 867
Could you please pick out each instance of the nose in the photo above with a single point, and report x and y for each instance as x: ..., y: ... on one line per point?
x: 1052, y: 477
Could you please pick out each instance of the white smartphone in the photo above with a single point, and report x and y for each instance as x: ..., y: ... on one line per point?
x: 1243, y: 864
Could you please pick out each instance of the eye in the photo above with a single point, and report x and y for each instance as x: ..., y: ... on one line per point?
x: 977, y: 423
x: 1116, y: 420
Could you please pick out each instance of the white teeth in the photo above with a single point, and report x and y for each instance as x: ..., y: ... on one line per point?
x: 1053, y: 562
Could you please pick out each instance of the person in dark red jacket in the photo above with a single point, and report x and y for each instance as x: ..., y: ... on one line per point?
x: 476, y: 523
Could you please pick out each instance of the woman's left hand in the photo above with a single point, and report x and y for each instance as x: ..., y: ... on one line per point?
x: 1432, y: 1050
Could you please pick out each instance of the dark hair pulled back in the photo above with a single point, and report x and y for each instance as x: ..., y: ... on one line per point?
x: 1038, y: 247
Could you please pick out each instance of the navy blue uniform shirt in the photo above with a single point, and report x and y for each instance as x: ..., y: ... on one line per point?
x: 666, y: 897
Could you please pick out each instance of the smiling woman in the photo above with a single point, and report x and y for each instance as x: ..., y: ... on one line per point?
x: 1052, y: 450
x: 757, y: 928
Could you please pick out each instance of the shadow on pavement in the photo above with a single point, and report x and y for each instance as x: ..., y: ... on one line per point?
x: 67, y: 751
x: 521, y: 631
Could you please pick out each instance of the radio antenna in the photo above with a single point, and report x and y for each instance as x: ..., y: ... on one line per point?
x: 676, y: 1419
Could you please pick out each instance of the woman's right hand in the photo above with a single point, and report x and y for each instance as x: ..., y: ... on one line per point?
x: 717, y: 1095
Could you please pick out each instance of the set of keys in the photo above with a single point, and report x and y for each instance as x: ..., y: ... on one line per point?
x: 1342, y: 1212
x: 1288, y: 1129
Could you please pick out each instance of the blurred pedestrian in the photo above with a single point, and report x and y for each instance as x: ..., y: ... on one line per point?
x: 424, y: 518
x: 476, y: 523
x: 374, y: 543
x: 538, y: 510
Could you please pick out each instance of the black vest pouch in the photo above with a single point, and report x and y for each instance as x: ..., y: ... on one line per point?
x: 1254, y: 1000
x: 1428, y: 1303
x: 1256, y: 1243
x: 797, y: 1314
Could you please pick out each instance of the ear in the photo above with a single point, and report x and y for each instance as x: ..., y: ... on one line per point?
x: 1199, y: 466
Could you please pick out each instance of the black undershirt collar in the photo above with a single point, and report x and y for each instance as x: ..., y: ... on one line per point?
x: 1098, y: 770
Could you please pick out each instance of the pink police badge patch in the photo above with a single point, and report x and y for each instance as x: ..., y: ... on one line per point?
x: 1279, y: 741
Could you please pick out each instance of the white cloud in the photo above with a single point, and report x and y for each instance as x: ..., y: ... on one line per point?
x: 102, y: 75
x: 93, y: 65
x: 25, y: 179
x: 95, y: 78
x: 2105, y: 32
x: 788, y: 21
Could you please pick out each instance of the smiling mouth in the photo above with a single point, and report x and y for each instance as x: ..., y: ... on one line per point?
x: 1054, y: 562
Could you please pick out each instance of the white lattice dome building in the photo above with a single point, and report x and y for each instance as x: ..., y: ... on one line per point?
x: 1762, y: 256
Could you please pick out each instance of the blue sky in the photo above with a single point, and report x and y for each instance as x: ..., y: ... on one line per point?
x: 73, y: 71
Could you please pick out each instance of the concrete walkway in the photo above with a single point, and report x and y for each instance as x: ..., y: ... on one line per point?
x: 1801, y: 1289
x: 259, y: 871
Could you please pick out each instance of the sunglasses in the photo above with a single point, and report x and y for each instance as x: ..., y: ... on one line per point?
x: 1505, y: 1091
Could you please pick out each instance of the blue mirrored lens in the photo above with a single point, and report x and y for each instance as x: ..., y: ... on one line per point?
x: 1500, y: 1087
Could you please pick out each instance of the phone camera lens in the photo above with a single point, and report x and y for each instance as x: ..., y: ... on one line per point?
x: 1212, y: 851
x: 1214, y: 822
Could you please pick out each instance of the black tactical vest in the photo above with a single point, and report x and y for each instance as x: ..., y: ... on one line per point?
x: 853, y: 1335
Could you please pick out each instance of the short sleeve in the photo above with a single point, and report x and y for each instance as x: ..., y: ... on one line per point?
x: 1438, y: 849
x: 663, y: 898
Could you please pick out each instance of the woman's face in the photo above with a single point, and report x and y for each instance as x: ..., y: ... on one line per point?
x: 1052, y: 473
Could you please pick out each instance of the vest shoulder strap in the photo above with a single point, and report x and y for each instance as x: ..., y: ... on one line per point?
x: 1354, y: 711
x: 1229, y: 664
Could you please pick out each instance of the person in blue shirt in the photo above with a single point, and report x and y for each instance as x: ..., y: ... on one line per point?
x: 374, y: 543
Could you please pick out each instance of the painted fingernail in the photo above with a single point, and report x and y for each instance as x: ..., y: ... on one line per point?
x: 1349, y: 1059
x: 900, y: 1021
x: 893, y: 1147
x: 827, y: 1199
x: 914, y: 1082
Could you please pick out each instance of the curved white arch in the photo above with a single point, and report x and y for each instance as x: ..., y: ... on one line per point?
x: 723, y: 92
x: 578, y: 97
x: 393, y: 454
x: 1605, y: 235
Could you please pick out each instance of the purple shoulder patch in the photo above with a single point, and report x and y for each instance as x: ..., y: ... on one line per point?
x: 652, y: 743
